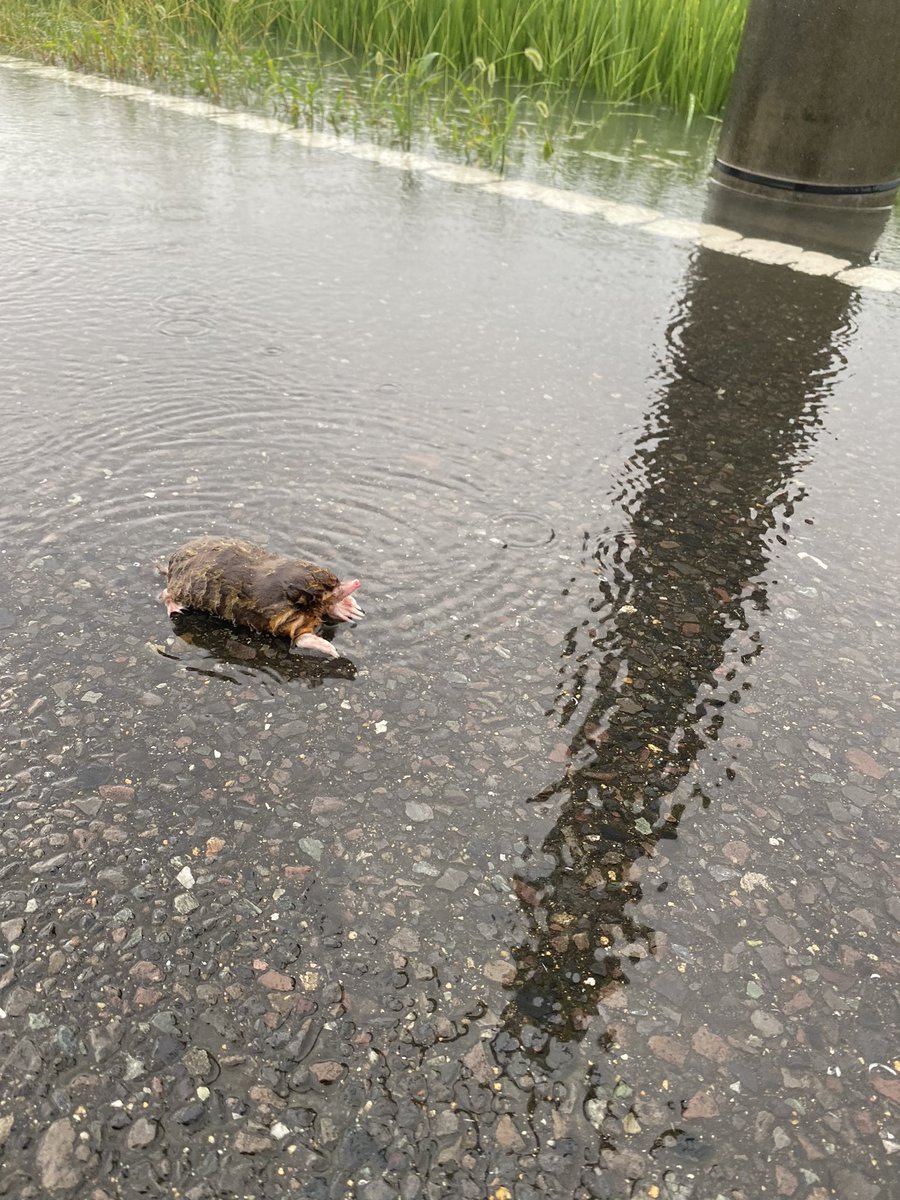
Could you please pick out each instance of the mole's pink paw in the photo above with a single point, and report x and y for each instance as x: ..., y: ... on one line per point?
x: 312, y: 641
x: 171, y: 607
x: 343, y: 606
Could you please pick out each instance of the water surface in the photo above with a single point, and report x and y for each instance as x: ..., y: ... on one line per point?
x: 571, y: 877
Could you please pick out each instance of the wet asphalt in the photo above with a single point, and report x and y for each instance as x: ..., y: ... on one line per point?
x: 573, y: 875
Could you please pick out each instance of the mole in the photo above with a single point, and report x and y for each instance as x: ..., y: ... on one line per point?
x: 249, y: 585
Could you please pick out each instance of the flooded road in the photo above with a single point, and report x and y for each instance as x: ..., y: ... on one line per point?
x: 573, y: 876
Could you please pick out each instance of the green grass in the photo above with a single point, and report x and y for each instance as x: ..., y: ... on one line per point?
x: 469, y: 68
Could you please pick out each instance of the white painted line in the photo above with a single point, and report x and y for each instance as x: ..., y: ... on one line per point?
x: 718, y: 238
x: 401, y: 160
x: 238, y: 120
x: 813, y: 263
x: 454, y: 173
x: 306, y: 137
x: 672, y: 227
x: 761, y: 250
x: 613, y: 212
x: 874, y: 277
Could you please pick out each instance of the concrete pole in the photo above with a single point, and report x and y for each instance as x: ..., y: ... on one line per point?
x: 814, y: 114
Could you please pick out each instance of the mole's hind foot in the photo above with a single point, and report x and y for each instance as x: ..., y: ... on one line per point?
x: 312, y: 641
x: 171, y: 607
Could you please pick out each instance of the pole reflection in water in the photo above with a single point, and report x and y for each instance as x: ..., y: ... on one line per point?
x: 710, y: 490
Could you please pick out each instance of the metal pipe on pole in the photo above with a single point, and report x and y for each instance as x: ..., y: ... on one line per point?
x: 812, y: 128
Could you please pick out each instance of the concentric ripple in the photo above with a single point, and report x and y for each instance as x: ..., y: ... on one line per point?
x: 213, y: 334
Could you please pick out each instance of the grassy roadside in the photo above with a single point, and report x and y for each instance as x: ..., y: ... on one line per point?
x: 465, y: 70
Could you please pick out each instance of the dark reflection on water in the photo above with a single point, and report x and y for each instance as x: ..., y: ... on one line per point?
x: 648, y: 672
x: 238, y: 655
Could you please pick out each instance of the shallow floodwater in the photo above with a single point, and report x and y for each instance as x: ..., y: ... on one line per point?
x: 572, y: 876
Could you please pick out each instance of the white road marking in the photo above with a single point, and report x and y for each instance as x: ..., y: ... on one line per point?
x: 613, y: 212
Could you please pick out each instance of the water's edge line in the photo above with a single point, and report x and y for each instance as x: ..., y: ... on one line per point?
x: 613, y: 212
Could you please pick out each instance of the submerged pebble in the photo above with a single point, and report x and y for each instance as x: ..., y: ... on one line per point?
x: 577, y: 884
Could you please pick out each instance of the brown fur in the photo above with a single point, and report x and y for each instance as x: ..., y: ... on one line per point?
x: 248, y: 585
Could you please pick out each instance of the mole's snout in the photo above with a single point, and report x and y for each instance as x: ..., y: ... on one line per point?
x: 342, y: 605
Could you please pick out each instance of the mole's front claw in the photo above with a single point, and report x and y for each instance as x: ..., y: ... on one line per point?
x: 343, y: 605
x: 312, y: 641
x: 346, y: 610
x: 171, y: 606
